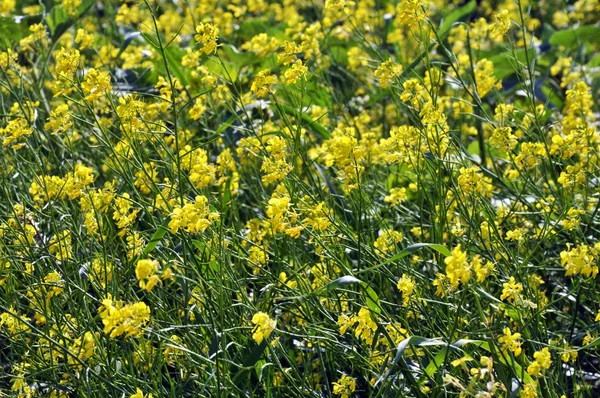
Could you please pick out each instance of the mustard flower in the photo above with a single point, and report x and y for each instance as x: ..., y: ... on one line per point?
x: 123, y: 319
x: 262, y: 83
x: 511, y: 342
x: 542, y: 360
x: 208, y: 35
x: 501, y: 24
x: 344, y: 387
x: 263, y: 328
x: 297, y: 71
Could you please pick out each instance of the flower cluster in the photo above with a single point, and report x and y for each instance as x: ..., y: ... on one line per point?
x: 290, y: 197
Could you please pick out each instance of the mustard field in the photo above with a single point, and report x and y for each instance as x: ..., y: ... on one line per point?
x: 299, y: 198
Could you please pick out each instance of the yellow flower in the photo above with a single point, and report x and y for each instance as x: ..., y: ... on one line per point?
x: 262, y: 83
x: 262, y: 45
x: 119, y: 319
x: 511, y: 290
x: 529, y: 391
x: 579, y: 260
x: 38, y: 36
x: 511, y: 342
x: 569, y: 354
x: 95, y: 84
x: 71, y: 6
x: 59, y: 120
x: 207, y: 34
x: 482, y: 271
x: 84, y: 39
x: 542, y: 360
x: 83, y: 348
x: 388, y: 240
x: 60, y: 245
x: 461, y: 361
x: 297, y: 71
x: 194, y: 217
x: 290, y: 49
x: 124, y: 215
x: 264, y: 327
x: 410, y: 12
x: 396, y: 196
x: 485, y: 78
x: 139, y: 394
x: 145, y: 272
x: 386, y: 73
x: 458, y: 269
x: 13, y: 322
x: 366, y: 326
x: 501, y: 24
x: 67, y: 62
x: 344, y: 387
x: 471, y: 182
x: 7, y: 7
x: 15, y: 131
x: 146, y: 178
x: 503, y: 139
x: 275, y: 165
x: 406, y: 285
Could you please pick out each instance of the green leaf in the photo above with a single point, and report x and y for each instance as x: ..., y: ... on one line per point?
x: 441, y: 356
x: 338, y: 283
x: 59, y: 21
x: 11, y: 31
x: 316, y: 127
x: 223, y: 68
x: 552, y: 96
x: 505, y: 63
x: 416, y: 341
x: 57, y: 17
x: 594, y: 62
x: 252, y: 27
x: 157, y: 237
x: 239, y: 58
x: 456, y: 16
x: 370, y: 295
x: 372, y: 299
x: 573, y: 38
x: 473, y: 148
x: 249, y: 363
x: 201, y: 246
x: 174, y: 56
x: 339, y: 55
x: 409, y: 250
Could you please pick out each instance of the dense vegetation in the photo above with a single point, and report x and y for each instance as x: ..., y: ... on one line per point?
x: 299, y: 198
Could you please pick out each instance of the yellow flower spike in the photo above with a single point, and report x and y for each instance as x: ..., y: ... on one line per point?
x: 411, y: 12
x: 123, y: 319
x: 261, y: 86
x: 511, y: 342
x: 387, y: 72
x: 296, y: 72
x: 458, y: 269
x: 501, y: 25
x: 146, y: 273
x: 207, y: 34
x: 542, y: 361
x: 140, y: 394
x: 344, y: 387
x: 67, y: 62
x: 96, y: 84
x: 264, y: 326
x: 406, y: 285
